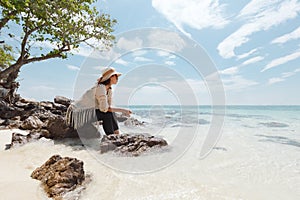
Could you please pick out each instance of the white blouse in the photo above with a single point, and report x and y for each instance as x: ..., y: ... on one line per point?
x: 103, y: 98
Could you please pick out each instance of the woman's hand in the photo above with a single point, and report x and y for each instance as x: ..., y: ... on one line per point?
x: 126, y: 112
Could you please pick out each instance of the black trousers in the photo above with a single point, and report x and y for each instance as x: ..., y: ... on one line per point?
x: 109, y: 121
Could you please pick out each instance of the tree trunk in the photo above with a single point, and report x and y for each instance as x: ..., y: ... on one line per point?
x: 8, y: 81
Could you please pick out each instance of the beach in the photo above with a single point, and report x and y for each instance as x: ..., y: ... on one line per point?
x: 256, y: 157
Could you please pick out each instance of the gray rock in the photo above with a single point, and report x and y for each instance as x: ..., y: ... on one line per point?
x: 132, y: 122
x: 130, y: 145
x: 3, y: 92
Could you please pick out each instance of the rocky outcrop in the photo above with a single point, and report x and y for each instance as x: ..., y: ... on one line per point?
x: 18, y: 139
x: 31, y: 115
x: 60, y: 175
x: 47, y: 119
x: 130, y: 145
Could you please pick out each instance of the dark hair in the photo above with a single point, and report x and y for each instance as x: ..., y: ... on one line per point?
x: 105, y: 82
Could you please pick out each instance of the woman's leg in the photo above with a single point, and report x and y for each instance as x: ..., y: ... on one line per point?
x: 115, y: 124
x: 109, y: 122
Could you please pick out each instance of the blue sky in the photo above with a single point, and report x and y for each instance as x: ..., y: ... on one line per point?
x: 255, y: 46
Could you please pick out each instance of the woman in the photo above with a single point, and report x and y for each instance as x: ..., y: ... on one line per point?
x: 103, y: 97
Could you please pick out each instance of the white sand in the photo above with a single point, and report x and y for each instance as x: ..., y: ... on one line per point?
x: 246, y: 169
x: 15, y: 182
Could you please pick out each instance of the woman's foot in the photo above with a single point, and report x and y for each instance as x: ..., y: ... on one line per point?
x: 116, y: 132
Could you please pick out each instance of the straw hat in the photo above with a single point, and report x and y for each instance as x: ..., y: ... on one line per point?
x: 107, y: 73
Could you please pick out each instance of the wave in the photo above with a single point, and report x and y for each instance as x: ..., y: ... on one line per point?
x: 274, y: 124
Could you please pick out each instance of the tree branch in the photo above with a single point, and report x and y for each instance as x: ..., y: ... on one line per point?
x: 4, y: 20
x: 65, y: 48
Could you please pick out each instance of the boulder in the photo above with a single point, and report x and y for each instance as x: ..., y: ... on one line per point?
x: 18, y: 139
x: 130, y: 145
x: 7, y: 111
x: 60, y: 175
x: 46, y: 105
x: 62, y: 100
x: 58, y: 128
x: 3, y: 92
x: 132, y: 122
x: 32, y: 122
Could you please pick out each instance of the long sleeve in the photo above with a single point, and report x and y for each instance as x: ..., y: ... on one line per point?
x: 102, y: 101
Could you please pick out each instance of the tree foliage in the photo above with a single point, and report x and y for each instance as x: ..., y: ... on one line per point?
x: 6, y: 56
x: 55, y: 26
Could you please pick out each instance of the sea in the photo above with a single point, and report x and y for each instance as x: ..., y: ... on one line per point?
x: 213, y: 152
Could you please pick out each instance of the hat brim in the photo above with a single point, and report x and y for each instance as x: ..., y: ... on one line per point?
x: 115, y: 73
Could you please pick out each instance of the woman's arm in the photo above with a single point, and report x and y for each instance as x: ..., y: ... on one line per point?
x: 122, y: 110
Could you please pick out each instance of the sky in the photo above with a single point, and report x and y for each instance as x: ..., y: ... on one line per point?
x: 254, y: 46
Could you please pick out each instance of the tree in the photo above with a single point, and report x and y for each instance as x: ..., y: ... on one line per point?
x: 61, y: 24
x: 6, y: 57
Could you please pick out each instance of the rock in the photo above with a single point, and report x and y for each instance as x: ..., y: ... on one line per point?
x: 3, y: 92
x: 15, y: 123
x: 18, y: 139
x: 60, y: 107
x: 62, y: 100
x: 47, y: 105
x: 43, y: 133
x: 44, y: 115
x: 60, y: 175
x: 132, y: 145
x: 32, y: 122
x: 8, y: 112
x: 133, y: 122
x: 121, y: 117
x: 58, y: 128
x: 19, y: 104
x: 31, y: 106
x: 107, y: 146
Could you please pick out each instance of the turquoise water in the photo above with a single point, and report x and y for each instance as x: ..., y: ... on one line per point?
x: 271, y: 116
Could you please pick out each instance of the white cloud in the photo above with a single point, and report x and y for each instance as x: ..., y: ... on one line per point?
x: 186, y: 12
x: 172, y: 57
x: 247, y: 53
x: 73, y: 68
x: 282, y: 60
x: 275, y: 80
x: 283, y: 77
x: 141, y: 59
x: 297, y: 70
x: 230, y: 71
x: 170, y: 63
x: 166, y: 40
x: 129, y: 44
x: 253, y: 60
x: 92, y: 50
x: 265, y: 16
x: 234, y: 70
x: 139, y: 53
x: 255, y: 7
x: 121, y: 62
x: 163, y: 54
x: 287, y: 74
x: 287, y: 37
x: 237, y: 82
x: 84, y: 50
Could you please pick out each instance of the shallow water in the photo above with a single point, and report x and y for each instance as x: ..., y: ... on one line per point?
x: 256, y: 157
